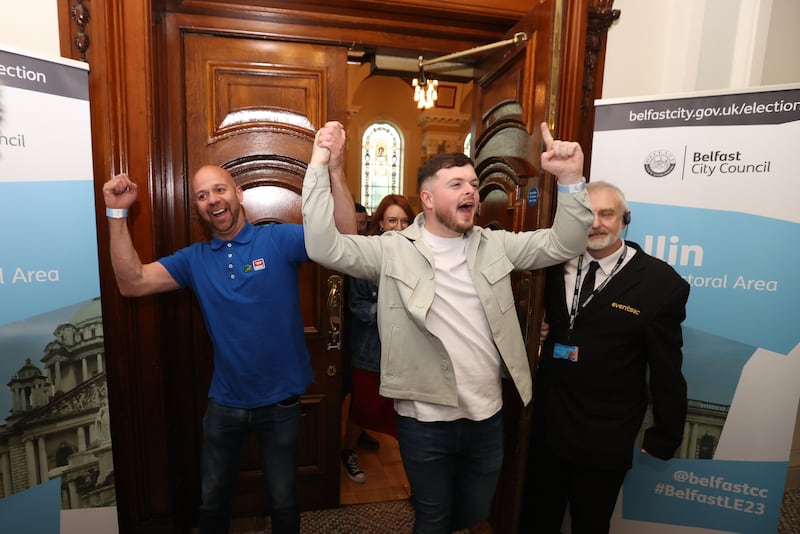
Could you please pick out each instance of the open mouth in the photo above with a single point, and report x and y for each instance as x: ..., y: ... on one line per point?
x: 466, y: 209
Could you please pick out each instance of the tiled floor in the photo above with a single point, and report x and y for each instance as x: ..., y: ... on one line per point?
x: 385, y: 478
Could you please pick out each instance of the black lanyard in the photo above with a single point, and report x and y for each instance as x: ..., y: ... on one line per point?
x: 573, y: 312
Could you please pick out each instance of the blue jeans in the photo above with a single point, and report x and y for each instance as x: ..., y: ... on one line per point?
x: 452, y: 467
x: 226, y: 431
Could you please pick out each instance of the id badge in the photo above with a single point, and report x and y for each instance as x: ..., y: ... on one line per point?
x: 565, y: 352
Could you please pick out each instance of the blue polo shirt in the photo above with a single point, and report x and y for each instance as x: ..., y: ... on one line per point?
x: 248, y: 292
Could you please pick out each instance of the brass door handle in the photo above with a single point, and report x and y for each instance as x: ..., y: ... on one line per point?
x: 335, y: 302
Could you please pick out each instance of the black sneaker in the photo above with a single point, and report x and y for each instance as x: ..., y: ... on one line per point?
x: 351, y: 467
x: 367, y: 442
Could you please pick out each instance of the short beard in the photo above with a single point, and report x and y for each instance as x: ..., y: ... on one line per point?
x: 607, y: 241
x: 218, y: 230
x: 448, y: 220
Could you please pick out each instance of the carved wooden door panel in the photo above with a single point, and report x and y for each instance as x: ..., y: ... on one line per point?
x: 511, y: 100
x: 252, y: 106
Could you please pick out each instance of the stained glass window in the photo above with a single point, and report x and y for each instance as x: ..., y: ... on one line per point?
x: 381, y: 164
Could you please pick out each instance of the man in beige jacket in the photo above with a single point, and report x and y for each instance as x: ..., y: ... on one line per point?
x: 446, y: 317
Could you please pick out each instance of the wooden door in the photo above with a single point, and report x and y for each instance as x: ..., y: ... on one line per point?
x: 253, y: 106
x: 157, y: 353
x: 511, y: 98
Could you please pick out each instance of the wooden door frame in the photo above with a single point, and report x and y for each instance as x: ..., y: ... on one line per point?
x: 124, y: 43
x: 234, y: 61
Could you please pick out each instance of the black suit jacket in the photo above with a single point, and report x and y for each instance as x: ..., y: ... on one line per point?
x: 590, y: 411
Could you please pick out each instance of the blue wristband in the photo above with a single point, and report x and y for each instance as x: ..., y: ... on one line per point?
x: 116, y: 213
x: 572, y: 188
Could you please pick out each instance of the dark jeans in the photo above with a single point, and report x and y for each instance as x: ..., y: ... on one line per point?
x: 226, y: 431
x: 452, y: 467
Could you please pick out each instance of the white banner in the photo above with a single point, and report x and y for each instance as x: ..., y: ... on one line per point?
x: 55, y: 422
x: 712, y: 184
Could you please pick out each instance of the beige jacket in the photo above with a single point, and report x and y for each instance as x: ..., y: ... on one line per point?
x: 414, y: 363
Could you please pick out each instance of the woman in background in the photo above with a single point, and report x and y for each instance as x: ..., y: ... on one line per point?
x: 367, y: 408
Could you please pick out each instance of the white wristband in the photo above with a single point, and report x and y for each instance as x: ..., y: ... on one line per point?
x: 116, y: 213
x: 572, y: 188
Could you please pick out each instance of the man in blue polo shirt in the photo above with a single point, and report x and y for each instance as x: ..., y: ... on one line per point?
x: 261, y: 363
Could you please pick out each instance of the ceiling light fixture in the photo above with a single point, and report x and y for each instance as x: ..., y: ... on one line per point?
x: 425, y: 88
x: 425, y: 93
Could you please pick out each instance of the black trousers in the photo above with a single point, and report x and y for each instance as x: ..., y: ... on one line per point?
x: 552, y: 482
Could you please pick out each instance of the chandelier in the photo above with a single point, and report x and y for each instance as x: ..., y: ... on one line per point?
x: 425, y: 94
x: 425, y: 89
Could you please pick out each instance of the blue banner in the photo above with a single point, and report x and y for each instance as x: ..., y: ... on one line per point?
x: 55, y: 431
x: 711, y: 183
x: 721, y: 495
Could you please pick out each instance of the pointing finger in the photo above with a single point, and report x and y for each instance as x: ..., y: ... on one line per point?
x: 547, y: 137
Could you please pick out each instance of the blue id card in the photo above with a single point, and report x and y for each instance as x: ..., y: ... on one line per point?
x: 565, y: 352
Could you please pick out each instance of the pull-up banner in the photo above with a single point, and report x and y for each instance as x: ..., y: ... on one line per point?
x: 712, y: 184
x: 54, y: 424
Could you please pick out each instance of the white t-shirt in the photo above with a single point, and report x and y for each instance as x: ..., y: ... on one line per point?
x: 457, y: 318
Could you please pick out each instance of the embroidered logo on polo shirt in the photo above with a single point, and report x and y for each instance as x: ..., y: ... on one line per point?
x: 259, y: 264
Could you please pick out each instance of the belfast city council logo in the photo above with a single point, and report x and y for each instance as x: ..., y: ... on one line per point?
x: 659, y: 163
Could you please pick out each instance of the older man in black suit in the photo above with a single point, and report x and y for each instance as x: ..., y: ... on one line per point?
x: 607, y: 340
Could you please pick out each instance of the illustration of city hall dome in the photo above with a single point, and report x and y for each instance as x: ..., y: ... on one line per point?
x: 59, y: 423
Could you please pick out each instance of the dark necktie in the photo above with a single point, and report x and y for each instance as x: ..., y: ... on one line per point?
x: 587, y: 286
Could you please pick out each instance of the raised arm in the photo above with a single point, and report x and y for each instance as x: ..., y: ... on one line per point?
x: 134, y: 279
x: 355, y: 255
x: 329, y: 150
x: 563, y: 159
x: 567, y: 236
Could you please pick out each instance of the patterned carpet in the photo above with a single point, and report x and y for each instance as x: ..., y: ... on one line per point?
x: 789, y: 522
x: 374, y: 518
x: 397, y: 517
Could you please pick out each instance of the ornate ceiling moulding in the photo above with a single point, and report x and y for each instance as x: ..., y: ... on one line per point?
x: 601, y: 17
x: 435, y: 27
x: 79, y: 13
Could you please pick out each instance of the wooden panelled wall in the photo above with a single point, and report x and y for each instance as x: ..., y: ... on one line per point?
x: 124, y: 42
